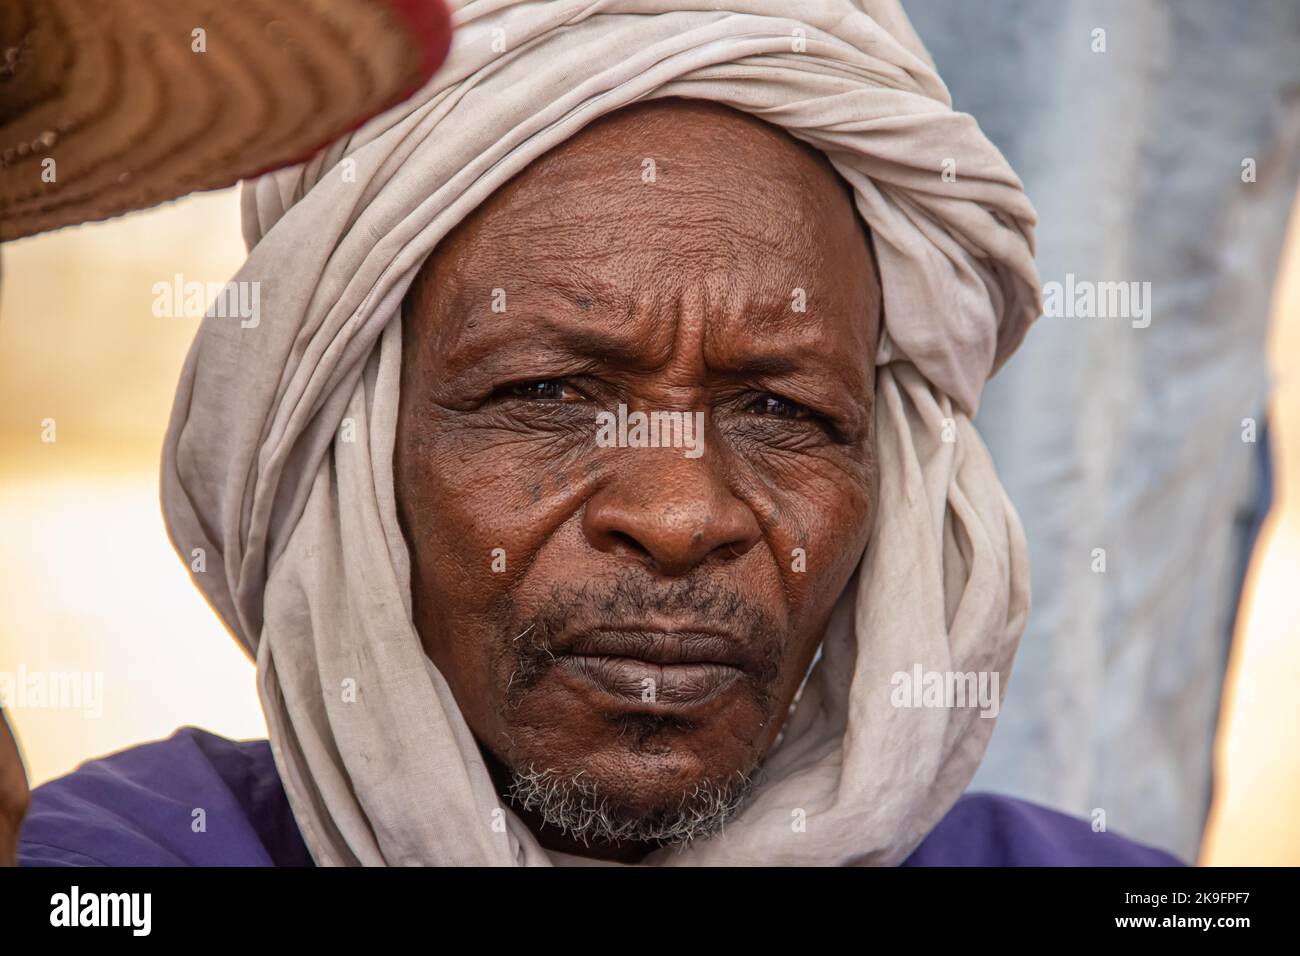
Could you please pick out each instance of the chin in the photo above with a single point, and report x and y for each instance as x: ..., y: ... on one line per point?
x: 630, y: 790
x: 638, y: 760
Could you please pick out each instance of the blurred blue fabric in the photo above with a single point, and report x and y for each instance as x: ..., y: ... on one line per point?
x: 1129, y: 439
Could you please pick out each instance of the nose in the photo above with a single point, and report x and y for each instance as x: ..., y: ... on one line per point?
x: 670, y: 512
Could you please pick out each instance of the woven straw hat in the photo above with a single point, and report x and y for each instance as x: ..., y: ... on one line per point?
x: 112, y: 105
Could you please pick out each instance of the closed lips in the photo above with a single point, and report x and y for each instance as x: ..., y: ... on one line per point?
x: 656, y: 667
x: 663, y: 647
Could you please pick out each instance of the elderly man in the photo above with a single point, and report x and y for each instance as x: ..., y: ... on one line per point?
x: 598, y: 484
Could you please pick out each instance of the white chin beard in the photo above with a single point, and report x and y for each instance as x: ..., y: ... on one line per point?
x: 575, y: 807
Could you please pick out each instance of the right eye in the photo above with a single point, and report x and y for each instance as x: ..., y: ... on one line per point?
x: 543, y: 390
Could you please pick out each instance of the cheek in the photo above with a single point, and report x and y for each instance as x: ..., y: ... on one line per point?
x: 477, y: 506
x: 818, y: 530
x: 817, y: 513
x: 492, y: 497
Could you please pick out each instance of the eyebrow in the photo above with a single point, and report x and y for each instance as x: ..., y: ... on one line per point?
x: 614, y: 349
x: 766, y: 365
x: 622, y: 350
x: 578, y: 284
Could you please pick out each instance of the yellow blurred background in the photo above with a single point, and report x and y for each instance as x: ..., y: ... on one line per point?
x: 89, y: 582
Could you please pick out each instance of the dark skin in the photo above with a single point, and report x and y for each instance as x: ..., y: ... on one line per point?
x: 675, y: 294
x: 13, y: 794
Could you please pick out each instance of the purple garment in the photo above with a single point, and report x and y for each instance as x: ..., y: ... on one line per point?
x: 137, y: 808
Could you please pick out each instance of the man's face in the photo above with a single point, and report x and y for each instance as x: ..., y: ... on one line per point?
x: 624, y: 627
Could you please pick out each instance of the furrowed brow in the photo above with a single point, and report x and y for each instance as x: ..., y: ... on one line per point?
x: 606, y: 347
x: 765, y: 365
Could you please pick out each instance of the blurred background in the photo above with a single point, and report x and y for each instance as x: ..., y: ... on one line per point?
x: 88, y: 579
x: 1160, y: 143
x: 1165, y: 691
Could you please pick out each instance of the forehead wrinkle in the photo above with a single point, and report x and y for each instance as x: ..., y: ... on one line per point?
x: 748, y: 329
x: 809, y: 364
x: 563, y: 332
x: 712, y: 204
x: 750, y: 335
x: 721, y: 227
x: 577, y: 207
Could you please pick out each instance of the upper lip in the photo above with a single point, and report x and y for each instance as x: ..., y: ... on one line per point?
x: 685, y: 644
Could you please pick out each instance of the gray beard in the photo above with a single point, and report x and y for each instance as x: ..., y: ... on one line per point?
x: 576, y: 808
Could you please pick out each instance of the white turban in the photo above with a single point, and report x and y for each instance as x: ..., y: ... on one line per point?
x: 306, y: 563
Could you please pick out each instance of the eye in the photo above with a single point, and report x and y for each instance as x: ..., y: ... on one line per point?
x: 543, y: 390
x: 778, y: 407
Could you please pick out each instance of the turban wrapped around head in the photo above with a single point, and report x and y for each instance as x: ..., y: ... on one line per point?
x: 306, y: 563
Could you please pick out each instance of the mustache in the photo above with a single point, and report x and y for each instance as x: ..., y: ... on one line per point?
x: 531, y: 644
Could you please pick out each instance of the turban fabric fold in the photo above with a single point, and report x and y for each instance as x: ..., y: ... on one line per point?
x: 306, y: 563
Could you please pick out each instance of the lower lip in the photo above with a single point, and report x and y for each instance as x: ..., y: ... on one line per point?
x: 649, y: 684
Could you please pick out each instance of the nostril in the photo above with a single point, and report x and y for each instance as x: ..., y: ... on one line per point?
x: 627, y: 542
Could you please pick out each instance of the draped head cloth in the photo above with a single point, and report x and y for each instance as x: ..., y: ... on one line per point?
x: 306, y: 562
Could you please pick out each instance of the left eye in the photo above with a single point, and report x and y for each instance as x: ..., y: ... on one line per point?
x: 779, y: 407
x: 544, y: 390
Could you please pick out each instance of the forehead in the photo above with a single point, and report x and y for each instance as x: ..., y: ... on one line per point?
x: 663, y: 208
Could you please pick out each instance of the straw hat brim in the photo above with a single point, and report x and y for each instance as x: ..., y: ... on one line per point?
x: 112, y: 105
